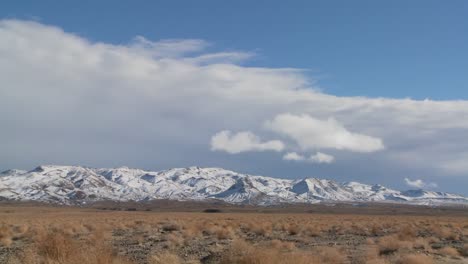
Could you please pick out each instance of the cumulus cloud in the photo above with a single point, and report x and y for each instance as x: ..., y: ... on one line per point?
x: 242, y: 142
x: 318, y: 157
x: 312, y: 133
x: 420, y: 184
x: 67, y: 99
x: 293, y: 156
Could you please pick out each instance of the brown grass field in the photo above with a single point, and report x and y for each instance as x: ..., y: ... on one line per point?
x: 97, y: 235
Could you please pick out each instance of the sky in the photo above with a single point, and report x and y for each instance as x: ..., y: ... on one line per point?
x: 369, y: 91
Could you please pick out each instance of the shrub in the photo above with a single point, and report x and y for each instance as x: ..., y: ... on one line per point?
x: 169, y: 227
x: 212, y: 210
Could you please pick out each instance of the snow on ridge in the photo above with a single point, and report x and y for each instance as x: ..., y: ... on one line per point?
x: 76, y: 184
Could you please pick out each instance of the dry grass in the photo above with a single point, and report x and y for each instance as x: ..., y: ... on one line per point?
x: 392, y: 243
x: 242, y: 252
x: 56, y: 247
x: 59, y: 236
x: 260, y: 229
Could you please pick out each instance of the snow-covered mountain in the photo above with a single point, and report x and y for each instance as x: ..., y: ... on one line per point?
x: 74, y: 184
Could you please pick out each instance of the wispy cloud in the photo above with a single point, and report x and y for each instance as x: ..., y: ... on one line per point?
x: 167, y: 48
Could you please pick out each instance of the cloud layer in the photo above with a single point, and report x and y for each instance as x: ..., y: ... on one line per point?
x: 67, y: 99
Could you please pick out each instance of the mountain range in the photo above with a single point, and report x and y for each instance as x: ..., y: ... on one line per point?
x: 80, y: 185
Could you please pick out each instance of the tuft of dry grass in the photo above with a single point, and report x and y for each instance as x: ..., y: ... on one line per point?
x: 330, y: 255
x: 464, y: 250
x: 260, y: 229
x: 445, y: 233
x: 174, y: 240
x: 372, y: 256
x: 243, y: 253
x: 415, y: 259
x: 224, y: 233
x: 312, y: 230
x: 56, y: 247
x: 282, y: 245
x: 6, y: 236
x: 421, y: 244
x: 294, y: 229
x: 449, y: 251
x: 407, y: 233
x: 164, y: 258
x: 388, y: 245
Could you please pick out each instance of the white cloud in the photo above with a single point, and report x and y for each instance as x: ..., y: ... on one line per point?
x: 311, y: 133
x: 242, y: 142
x: 420, y: 184
x: 293, y: 156
x: 320, y: 157
x: 67, y: 99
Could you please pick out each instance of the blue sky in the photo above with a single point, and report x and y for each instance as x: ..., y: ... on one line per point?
x: 394, y: 49
x: 242, y: 85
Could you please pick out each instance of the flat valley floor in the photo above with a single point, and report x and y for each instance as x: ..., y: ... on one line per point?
x: 177, y: 232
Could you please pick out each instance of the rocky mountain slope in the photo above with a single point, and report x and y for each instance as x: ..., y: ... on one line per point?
x: 74, y: 184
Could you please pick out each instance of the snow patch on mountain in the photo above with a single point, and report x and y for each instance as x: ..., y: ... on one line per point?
x: 76, y: 184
